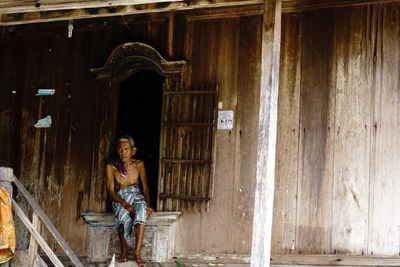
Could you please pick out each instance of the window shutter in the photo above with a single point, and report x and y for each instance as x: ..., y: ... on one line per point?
x: 188, y: 125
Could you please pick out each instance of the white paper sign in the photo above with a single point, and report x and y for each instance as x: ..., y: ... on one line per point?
x: 225, y: 120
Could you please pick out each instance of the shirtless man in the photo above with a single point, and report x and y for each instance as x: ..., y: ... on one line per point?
x: 130, y: 207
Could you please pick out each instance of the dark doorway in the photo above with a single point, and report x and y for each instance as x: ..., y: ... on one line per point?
x: 139, y: 115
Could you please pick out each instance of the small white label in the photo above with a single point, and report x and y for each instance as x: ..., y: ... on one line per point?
x: 225, y: 120
x: 220, y: 105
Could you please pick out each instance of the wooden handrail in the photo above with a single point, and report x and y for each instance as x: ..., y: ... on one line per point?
x: 36, y: 235
x: 46, y: 221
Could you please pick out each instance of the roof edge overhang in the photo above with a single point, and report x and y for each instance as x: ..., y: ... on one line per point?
x: 33, y: 11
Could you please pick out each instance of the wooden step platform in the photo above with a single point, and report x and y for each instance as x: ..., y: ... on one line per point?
x: 158, y: 241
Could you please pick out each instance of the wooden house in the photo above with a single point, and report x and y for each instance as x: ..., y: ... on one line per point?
x: 305, y: 172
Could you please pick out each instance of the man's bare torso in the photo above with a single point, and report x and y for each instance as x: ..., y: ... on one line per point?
x: 132, y: 176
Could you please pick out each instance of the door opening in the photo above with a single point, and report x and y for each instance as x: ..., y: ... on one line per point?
x: 139, y: 115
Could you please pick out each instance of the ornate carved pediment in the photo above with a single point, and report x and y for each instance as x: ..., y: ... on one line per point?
x: 129, y: 58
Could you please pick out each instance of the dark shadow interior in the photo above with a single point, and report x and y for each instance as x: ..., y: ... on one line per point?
x: 139, y: 115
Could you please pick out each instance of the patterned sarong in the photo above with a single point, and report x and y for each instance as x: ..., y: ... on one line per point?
x: 134, y: 197
x: 7, y: 231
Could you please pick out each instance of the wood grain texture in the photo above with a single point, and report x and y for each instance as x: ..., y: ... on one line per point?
x: 187, y: 144
x: 352, y: 136
x: 345, y: 59
x: 30, y: 11
x: 247, y: 107
x: 220, y: 68
x: 267, y: 127
x: 287, y: 161
x: 64, y: 12
x: 302, y: 5
x: 314, y: 205
x: 63, y: 166
x: 385, y: 185
x: 224, y: 228
x: 33, y: 245
x: 347, y: 178
x: 333, y: 260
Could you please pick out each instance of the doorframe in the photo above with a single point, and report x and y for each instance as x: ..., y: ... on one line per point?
x: 125, y: 60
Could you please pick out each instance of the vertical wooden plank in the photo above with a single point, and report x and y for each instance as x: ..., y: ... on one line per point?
x: 245, y: 136
x: 187, y: 78
x: 213, y: 134
x: 314, y: 202
x: 33, y: 245
x: 189, y: 182
x: 224, y: 68
x: 197, y: 150
x: 287, y: 147
x: 173, y: 117
x: 31, y: 139
x: 188, y: 51
x: 385, y: 186
x: 264, y: 192
x: 204, y: 145
x: 352, y: 135
x: 9, y: 115
x: 163, y: 134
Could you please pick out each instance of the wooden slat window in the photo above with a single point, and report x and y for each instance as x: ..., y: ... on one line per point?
x: 188, y: 127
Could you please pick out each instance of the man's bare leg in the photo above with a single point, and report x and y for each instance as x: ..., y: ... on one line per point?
x: 139, y: 240
x: 123, y: 256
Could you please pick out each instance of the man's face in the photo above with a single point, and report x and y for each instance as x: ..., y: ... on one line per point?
x: 125, y: 151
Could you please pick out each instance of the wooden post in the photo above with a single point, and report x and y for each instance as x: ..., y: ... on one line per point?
x: 33, y: 245
x: 264, y: 194
x: 6, y: 177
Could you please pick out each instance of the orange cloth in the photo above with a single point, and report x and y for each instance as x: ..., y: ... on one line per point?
x: 7, y: 231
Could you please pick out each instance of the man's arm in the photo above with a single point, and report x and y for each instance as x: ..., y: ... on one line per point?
x: 111, y: 192
x: 146, y: 192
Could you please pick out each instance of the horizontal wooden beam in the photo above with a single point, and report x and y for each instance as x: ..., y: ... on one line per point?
x: 50, y: 13
x: 225, y: 12
x: 35, y: 11
x: 333, y: 260
x: 303, y: 5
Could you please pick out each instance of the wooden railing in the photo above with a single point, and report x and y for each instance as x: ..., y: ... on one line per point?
x: 6, y: 179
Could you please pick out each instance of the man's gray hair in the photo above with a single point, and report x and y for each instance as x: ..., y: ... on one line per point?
x: 125, y: 138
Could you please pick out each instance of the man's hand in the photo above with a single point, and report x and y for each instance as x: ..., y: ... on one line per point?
x: 150, y: 212
x: 129, y: 208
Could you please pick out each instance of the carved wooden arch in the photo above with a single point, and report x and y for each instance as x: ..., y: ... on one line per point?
x: 128, y: 58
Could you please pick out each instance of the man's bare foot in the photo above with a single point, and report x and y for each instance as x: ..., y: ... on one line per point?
x: 123, y: 256
x: 138, y: 259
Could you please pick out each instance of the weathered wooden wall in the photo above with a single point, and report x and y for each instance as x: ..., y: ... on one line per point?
x: 230, y: 59
x: 62, y: 166
x: 336, y: 188
x: 337, y: 182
